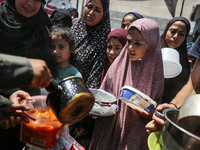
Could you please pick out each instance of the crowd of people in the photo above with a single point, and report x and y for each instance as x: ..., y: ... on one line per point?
x: 35, y: 47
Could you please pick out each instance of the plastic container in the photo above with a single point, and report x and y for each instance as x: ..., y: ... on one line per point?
x: 171, y: 62
x: 136, y: 99
x: 43, y: 127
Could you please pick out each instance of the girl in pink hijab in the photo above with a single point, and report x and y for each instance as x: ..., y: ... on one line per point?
x: 139, y: 65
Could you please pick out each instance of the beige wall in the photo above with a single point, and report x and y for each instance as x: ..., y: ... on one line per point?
x: 153, y: 8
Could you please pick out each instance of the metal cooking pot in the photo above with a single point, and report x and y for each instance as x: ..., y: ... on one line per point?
x: 189, y: 114
x: 174, y: 137
x: 69, y: 99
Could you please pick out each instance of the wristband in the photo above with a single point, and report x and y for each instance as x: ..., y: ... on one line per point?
x: 174, y: 105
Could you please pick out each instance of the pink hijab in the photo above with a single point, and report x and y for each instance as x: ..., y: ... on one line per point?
x: 126, y: 130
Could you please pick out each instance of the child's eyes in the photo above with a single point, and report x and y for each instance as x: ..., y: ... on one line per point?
x: 89, y: 6
x: 61, y: 47
x: 173, y: 32
x: 137, y: 43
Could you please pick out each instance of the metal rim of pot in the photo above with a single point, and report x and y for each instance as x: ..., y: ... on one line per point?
x: 178, y: 127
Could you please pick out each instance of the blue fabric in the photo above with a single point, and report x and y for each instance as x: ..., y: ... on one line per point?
x: 195, y: 50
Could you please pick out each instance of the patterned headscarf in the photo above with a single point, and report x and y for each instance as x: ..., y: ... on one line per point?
x: 104, y: 4
x: 90, y: 52
x: 145, y: 75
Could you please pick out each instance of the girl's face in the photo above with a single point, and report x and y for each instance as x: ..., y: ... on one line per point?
x: 93, y: 12
x: 28, y: 8
x: 114, y: 47
x: 176, y: 34
x: 136, y: 44
x: 61, y: 51
x: 127, y: 21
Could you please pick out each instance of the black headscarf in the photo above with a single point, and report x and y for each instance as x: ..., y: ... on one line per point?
x: 61, y: 14
x: 28, y: 37
x: 174, y: 85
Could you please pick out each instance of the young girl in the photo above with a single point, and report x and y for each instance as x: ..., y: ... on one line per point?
x: 62, y: 46
x: 116, y: 42
x: 139, y: 65
x: 61, y: 17
x: 129, y: 18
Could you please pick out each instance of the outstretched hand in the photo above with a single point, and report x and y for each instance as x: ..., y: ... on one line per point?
x: 145, y: 114
x: 158, y: 123
x: 11, y: 116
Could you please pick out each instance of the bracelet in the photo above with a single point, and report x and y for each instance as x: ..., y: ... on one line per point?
x: 174, y: 105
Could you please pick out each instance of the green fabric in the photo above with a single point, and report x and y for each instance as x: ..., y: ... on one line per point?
x: 65, y: 72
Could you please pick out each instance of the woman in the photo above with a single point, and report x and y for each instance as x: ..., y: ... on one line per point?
x: 91, y: 32
x: 129, y: 18
x: 139, y: 65
x: 23, y: 32
x: 175, y: 36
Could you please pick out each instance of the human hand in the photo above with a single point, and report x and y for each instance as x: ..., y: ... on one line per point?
x: 42, y: 74
x: 17, y: 96
x: 145, y: 114
x: 158, y: 123
x: 12, y: 115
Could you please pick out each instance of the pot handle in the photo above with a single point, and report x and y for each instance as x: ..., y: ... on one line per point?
x: 160, y: 115
x: 53, y: 86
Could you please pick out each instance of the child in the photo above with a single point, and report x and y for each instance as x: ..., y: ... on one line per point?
x: 116, y: 42
x: 63, y: 45
x: 129, y: 18
x: 139, y: 65
x: 61, y: 17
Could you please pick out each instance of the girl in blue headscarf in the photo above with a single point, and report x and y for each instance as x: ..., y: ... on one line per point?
x: 129, y: 18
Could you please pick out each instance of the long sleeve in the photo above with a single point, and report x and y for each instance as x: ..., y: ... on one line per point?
x: 4, y: 103
x: 15, y: 71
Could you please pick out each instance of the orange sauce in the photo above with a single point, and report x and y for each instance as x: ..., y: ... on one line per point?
x: 42, y: 132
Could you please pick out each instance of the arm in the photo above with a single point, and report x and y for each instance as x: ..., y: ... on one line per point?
x: 19, y: 71
x: 192, y: 85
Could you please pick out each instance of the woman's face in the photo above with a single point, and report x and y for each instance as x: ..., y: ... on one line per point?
x: 136, y: 44
x: 176, y: 34
x: 93, y: 12
x: 127, y: 21
x: 28, y: 8
x: 114, y: 47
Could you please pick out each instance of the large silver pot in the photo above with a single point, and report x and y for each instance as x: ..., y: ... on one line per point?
x: 176, y: 138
